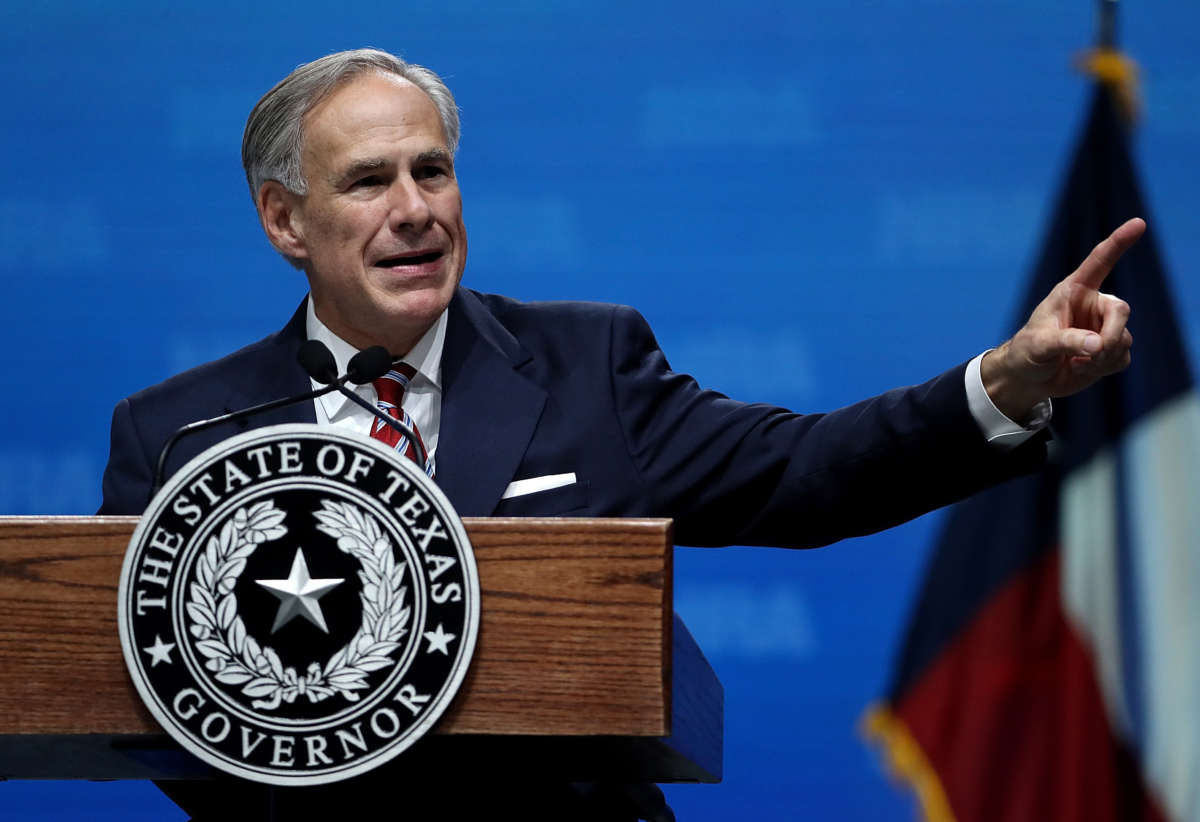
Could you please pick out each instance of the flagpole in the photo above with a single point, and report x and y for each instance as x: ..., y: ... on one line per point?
x: 1107, y: 37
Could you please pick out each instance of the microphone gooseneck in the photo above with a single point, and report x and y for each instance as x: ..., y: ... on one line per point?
x: 308, y: 355
x: 366, y: 366
x: 318, y: 362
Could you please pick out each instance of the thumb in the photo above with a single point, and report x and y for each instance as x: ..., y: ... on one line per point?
x: 1050, y: 345
x: 1079, y: 342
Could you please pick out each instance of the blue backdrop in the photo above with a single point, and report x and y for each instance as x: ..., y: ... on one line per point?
x: 847, y: 195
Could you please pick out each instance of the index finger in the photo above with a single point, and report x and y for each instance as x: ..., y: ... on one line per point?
x: 1095, y: 268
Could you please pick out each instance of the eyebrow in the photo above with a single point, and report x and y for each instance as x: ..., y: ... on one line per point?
x: 433, y: 155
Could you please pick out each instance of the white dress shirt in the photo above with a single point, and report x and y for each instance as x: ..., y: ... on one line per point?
x: 998, y: 429
x: 422, y: 397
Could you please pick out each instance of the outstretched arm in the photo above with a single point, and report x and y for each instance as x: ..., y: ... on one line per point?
x: 1074, y: 337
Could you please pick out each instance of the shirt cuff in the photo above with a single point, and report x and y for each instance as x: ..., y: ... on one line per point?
x: 998, y: 429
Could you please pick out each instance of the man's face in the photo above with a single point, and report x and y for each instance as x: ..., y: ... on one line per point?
x: 381, y: 227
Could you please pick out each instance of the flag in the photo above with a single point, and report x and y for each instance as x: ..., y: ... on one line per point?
x: 1051, y: 668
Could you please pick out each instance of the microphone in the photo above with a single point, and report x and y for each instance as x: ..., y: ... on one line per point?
x: 308, y: 355
x: 317, y: 361
x: 366, y: 366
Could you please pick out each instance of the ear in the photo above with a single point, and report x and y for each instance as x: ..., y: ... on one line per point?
x: 281, y: 214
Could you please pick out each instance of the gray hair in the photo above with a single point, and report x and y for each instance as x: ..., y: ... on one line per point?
x: 274, y: 136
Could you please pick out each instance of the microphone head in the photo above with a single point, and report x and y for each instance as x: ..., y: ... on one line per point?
x: 317, y: 361
x: 369, y: 364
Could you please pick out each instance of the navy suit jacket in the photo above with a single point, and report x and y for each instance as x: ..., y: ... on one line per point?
x: 531, y: 389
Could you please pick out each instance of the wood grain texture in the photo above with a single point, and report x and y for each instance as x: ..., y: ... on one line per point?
x: 61, y: 669
x: 575, y: 655
x: 574, y: 635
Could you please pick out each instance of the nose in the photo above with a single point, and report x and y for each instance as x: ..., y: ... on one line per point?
x: 410, y: 210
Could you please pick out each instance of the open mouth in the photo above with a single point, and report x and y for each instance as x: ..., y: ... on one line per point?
x: 410, y: 259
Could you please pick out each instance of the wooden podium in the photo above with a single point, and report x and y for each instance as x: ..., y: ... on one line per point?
x: 581, y: 673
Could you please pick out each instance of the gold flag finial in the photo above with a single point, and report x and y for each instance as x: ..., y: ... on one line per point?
x: 1106, y: 64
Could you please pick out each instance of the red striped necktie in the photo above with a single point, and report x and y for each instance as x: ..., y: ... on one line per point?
x: 390, y: 388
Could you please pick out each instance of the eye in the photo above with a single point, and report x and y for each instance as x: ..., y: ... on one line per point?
x: 429, y: 172
x: 368, y: 181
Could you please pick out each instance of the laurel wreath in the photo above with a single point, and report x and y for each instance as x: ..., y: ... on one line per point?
x: 236, y: 658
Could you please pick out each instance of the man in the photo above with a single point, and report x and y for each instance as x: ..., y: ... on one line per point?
x: 571, y: 408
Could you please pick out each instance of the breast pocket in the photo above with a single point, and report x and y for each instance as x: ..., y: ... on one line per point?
x: 553, y: 502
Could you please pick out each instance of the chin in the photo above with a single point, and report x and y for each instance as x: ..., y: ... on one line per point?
x: 425, y: 304
x: 414, y: 312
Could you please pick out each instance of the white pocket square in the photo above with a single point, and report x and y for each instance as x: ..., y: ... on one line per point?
x: 519, y: 488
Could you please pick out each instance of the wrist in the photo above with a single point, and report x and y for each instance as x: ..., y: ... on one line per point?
x: 1014, y: 397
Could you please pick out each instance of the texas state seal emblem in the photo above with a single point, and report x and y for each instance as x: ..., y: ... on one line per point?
x: 298, y: 606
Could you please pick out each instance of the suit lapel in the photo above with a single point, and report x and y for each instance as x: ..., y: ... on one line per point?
x: 275, y: 374
x: 489, y: 410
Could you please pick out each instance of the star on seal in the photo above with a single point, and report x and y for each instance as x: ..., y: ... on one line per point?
x: 439, y: 640
x: 298, y: 594
x: 160, y: 651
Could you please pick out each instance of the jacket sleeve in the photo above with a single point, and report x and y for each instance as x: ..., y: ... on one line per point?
x: 754, y: 474
x: 129, y: 473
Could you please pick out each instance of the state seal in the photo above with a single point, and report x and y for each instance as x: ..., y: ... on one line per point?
x: 298, y: 606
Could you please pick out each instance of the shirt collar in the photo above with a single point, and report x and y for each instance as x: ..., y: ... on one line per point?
x: 425, y: 357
